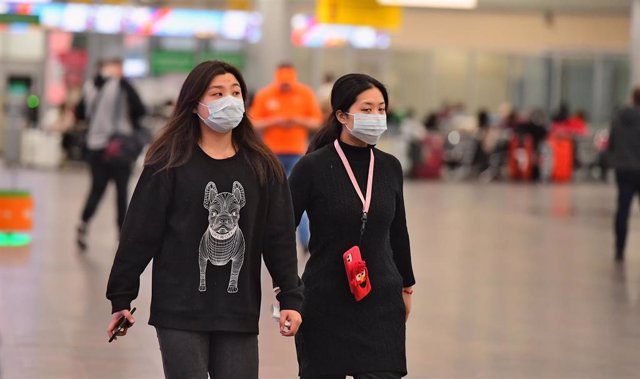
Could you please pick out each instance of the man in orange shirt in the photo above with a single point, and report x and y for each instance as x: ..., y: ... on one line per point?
x: 285, y: 112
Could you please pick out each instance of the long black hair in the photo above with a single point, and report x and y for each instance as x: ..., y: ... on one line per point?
x: 175, y: 144
x: 343, y: 94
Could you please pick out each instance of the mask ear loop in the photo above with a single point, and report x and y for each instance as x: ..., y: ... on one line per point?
x: 206, y: 106
x: 345, y: 125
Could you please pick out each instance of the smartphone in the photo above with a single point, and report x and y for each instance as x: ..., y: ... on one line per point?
x: 123, y: 323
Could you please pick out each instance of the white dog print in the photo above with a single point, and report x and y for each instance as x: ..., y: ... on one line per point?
x: 223, y: 240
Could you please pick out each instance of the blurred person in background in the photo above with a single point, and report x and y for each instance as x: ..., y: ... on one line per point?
x: 111, y: 105
x: 426, y: 154
x: 573, y: 126
x: 562, y: 114
x: 409, y: 141
x: 481, y: 156
x: 535, y: 126
x: 208, y: 172
x: 343, y: 334
x: 570, y: 126
x: 60, y: 121
x: 624, y: 149
x: 411, y: 127
x: 323, y: 94
x: 511, y: 120
x: 285, y: 112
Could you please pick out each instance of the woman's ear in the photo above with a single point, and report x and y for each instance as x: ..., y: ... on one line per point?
x: 342, y: 117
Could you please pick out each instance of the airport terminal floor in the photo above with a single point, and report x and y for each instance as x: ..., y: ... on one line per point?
x: 513, y: 281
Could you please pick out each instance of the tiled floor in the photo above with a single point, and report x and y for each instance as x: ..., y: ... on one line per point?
x: 514, y: 281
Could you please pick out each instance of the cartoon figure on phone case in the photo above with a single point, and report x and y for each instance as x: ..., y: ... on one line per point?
x: 357, y: 273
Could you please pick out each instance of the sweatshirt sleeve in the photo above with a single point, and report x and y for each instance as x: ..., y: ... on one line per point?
x: 280, y: 255
x: 300, y: 185
x: 140, y: 238
x: 400, y: 236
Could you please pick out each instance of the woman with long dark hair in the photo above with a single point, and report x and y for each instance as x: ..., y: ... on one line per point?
x: 359, y: 275
x: 211, y: 202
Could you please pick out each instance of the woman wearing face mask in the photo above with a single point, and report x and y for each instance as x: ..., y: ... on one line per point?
x: 359, y: 276
x: 211, y: 202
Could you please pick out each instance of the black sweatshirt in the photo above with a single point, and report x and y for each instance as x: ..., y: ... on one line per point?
x: 339, y: 335
x: 206, y: 226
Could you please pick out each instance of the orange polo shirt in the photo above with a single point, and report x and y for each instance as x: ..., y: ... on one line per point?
x: 299, y: 101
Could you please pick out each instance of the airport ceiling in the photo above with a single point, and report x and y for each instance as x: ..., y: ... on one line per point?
x: 565, y: 6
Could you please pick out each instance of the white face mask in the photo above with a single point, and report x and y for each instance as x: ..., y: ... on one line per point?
x: 368, y: 127
x: 224, y: 114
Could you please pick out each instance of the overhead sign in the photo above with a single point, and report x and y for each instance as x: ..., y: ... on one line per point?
x: 307, y: 32
x: 453, y: 4
x: 114, y: 19
x: 358, y: 12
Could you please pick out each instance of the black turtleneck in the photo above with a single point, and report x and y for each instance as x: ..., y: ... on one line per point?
x: 339, y: 335
x: 359, y: 160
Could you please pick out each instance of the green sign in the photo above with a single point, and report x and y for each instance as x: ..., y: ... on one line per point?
x: 7, y: 18
x: 233, y: 58
x: 166, y: 62
x: 14, y: 239
x: 16, y: 193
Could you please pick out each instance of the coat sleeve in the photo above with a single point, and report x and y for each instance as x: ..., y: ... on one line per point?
x: 612, y: 131
x: 280, y: 255
x: 400, y: 235
x: 141, y: 236
x: 134, y: 103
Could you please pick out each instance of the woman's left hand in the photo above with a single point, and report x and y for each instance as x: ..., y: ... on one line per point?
x: 290, y: 321
x: 406, y: 296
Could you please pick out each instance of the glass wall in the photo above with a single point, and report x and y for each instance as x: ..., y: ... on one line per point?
x: 577, y: 84
x: 424, y: 80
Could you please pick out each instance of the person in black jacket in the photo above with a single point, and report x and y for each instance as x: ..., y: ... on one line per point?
x: 624, y: 149
x: 211, y: 203
x: 111, y: 105
x: 347, y: 329
x: 536, y: 128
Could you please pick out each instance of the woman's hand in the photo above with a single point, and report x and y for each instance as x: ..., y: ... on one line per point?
x: 407, y: 292
x: 115, y: 319
x: 290, y: 321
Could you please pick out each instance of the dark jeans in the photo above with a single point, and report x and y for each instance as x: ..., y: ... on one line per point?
x: 101, y: 173
x: 222, y: 355
x: 370, y: 375
x: 628, y: 186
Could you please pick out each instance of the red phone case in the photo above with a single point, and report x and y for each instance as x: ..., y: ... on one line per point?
x: 357, y: 273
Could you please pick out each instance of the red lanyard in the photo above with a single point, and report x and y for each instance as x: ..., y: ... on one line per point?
x: 366, y: 202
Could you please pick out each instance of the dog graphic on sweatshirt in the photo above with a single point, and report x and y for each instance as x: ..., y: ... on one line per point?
x: 223, y: 241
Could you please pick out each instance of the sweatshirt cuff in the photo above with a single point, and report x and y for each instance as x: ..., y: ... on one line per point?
x: 291, y: 300
x: 291, y: 306
x: 119, y: 304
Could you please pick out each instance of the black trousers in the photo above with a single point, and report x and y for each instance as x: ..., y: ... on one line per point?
x: 628, y: 185
x: 222, y: 355
x: 101, y: 174
x: 370, y: 375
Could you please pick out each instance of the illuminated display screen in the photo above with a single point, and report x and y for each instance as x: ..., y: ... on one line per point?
x: 112, y: 19
x: 307, y: 32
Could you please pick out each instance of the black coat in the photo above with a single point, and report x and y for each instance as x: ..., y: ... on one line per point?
x: 624, y: 140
